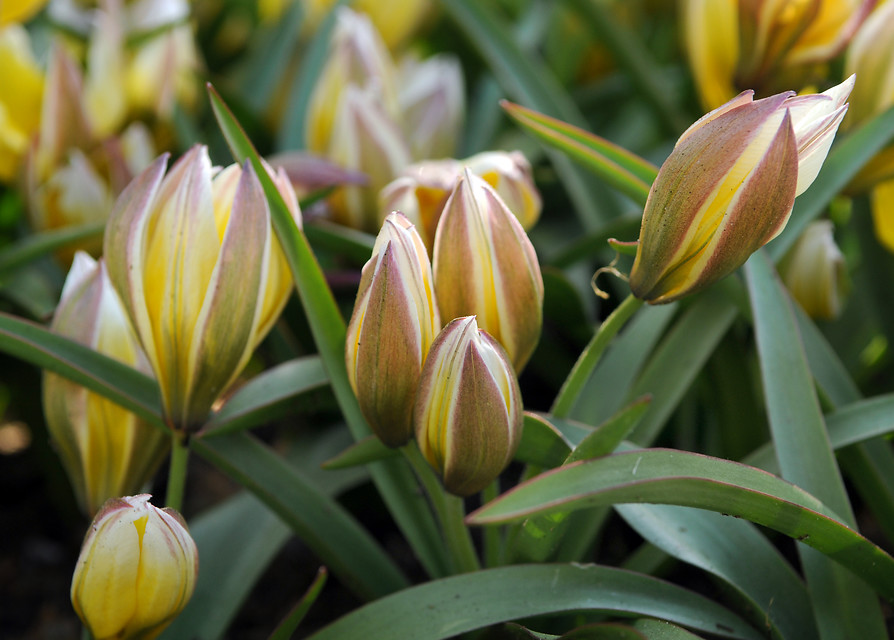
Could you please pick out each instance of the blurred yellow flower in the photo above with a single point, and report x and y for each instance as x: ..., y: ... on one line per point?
x: 20, y: 98
x: 19, y: 10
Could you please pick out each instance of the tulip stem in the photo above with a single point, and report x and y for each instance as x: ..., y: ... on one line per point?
x: 492, y: 536
x: 591, y: 355
x: 450, y: 511
x: 177, y: 471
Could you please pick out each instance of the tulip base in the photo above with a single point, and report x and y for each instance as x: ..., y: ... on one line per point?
x: 177, y: 471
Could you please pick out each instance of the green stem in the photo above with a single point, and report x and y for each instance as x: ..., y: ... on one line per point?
x: 491, y: 535
x: 588, y: 360
x: 450, y: 512
x: 177, y: 471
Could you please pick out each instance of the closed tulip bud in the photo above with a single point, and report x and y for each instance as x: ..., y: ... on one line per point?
x: 432, y: 105
x: 468, y: 410
x: 200, y: 273
x: 20, y: 99
x: 394, y: 322
x: 815, y: 273
x: 485, y: 265
x: 728, y: 188
x: 136, y: 572
x: 106, y: 450
x: 509, y: 173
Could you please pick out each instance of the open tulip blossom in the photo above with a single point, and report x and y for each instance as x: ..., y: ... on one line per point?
x: 728, y: 188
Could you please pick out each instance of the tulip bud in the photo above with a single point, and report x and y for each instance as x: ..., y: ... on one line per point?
x: 394, y: 322
x: 468, y: 414
x: 106, y: 450
x: 136, y: 572
x: 485, y: 265
x: 728, y: 188
x: 509, y: 173
x: 815, y: 273
x: 432, y: 105
x: 197, y: 267
x: 20, y: 99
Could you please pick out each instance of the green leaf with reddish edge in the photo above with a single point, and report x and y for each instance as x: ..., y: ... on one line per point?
x: 133, y: 390
x: 620, y: 168
x: 370, y: 449
x: 268, y: 395
x: 843, y: 607
x: 393, y: 478
x: 666, y: 476
x: 321, y: 523
x: 451, y: 606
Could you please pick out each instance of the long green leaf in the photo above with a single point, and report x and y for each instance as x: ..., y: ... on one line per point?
x: 40, y: 244
x: 448, y: 607
x: 333, y: 534
x: 843, y: 607
x: 268, y: 395
x: 288, y: 626
x: 664, y: 476
x: 392, y: 478
x: 124, y: 385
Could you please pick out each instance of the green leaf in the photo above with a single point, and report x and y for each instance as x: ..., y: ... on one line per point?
x: 370, y: 449
x: 718, y: 544
x: 542, y: 444
x: 288, y: 626
x: 625, y: 171
x: 843, y: 163
x: 120, y: 383
x: 346, y: 242
x: 448, y: 607
x: 37, y: 245
x: 607, y: 436
x: 330, y: 531
x: 393, y: 479
x: 664, y: 476
x: 660, y: 630
x: 268, y: 396
x: 843, y: 607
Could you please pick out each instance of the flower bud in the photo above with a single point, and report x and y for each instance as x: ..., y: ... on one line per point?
x: 20, y: 99
x: 432, y: 105
x: 106, y: 450
x: 136, y: 572
x: 200, y: 274
x: 728, y: 188
x: 468, y: 414
x: 815, y: 273
x: 509, y: 173
x: 394, y: 322
x: 485, y: 265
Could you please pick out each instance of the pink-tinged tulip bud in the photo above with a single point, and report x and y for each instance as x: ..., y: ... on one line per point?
x: 468, y: 413
x: 20, y: 98
x: 106, y: 450
x: 728, y: 188
x: 136, y: 572
x: 815, y: 273
x: 432, y: 105
x: 197, y: 266
x: 509, y: 173
x: 485, y: 265
x: 394, y: 322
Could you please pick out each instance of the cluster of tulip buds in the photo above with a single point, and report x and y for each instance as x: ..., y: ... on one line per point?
x: 454, y: 387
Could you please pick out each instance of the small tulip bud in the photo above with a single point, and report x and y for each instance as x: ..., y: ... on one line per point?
x: 432, y: 105
x: 485, y: 265
x: 394, y: 322
x: 468, y: 413
x: 136, y: 572
x: 106, y: 450
x: 200, y: 273
x: 509, y: 173
x: 728, y: 188
x: 815, y: 273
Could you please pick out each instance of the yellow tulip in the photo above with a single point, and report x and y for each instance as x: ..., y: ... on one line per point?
x: 106, y: 450
x: 20, y: 98
x: 19, y: 10
x: 200, y: 273
x: 136, y: 572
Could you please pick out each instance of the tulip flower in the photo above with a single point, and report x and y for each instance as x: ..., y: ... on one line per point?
x: 106, y: 450
x: 20, y: 99
x: 394, y: 20
x: 468, y: 412
x: 485, y: 265
x: 509, y: 173
x: 200, y: 274
x: 394, y: 322
x: 432, y: 105
x: 734, y: 45
x: 136, y: 572
x: 815, y: 273
x: 728, y: 188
